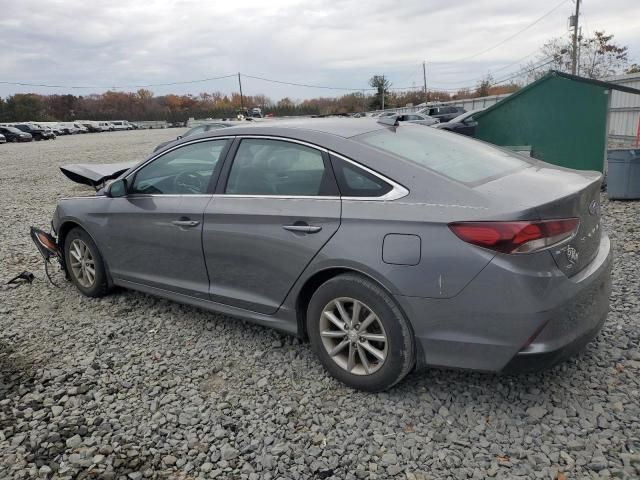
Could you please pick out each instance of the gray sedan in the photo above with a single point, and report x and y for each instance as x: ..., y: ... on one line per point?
x: 389, y: 247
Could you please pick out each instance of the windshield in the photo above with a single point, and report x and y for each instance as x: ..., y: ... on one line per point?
x: 454, y: 156
x: 12, y: 129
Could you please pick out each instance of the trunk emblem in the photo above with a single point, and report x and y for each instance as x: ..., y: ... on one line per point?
x: 594, y: 207
x: 572, y: 254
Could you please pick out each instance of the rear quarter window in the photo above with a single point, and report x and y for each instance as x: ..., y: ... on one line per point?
x: 454, y: 156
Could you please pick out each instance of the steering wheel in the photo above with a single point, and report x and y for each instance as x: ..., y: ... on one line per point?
x: 189, y: 182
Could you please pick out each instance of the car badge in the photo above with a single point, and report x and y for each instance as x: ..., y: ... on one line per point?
x: 594, y: 207
x: 572, y: 254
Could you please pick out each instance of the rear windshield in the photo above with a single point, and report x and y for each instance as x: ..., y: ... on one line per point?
x: 446, y: 153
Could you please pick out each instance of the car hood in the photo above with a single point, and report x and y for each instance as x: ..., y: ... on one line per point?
x: 95, y: 174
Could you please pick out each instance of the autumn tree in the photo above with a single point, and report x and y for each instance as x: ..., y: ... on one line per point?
x: 484, y: 86
x: 598, y: 56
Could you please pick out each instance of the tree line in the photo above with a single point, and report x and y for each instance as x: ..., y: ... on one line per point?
x: 144, y: 105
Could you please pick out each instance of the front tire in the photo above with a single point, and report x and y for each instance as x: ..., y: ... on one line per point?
x: 359, y: 333
x: 84, y: 264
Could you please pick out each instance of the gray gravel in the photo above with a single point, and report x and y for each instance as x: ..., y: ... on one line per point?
x: 133, y: 387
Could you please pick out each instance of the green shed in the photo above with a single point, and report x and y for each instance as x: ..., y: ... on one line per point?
x: 562, y: 117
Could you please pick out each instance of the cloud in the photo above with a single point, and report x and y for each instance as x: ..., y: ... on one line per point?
x: 321, y: 42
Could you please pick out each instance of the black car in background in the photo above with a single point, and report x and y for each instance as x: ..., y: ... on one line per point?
x: 463, y: 124
x: 36, y: 133
x: 12, y: 134
x: 196, y: 130
x: 444, y: 113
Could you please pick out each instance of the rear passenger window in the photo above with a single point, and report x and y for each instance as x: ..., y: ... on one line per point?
x: 356, y: 182
x: 279, y: 168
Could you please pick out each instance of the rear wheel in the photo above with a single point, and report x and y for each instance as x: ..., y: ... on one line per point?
x: 84, y: 264
x: 359, y: 333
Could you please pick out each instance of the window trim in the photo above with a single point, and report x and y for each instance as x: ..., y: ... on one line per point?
x: 214, y: 176
x: 224, y: 174
x: 397, y: 191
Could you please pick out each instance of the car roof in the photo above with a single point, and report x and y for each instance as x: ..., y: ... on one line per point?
x: 345, y: 127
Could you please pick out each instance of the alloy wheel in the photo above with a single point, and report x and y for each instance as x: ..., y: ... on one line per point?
x: 82, y: 263
x: 353, y: 336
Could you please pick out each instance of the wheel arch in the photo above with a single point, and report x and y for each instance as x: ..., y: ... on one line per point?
x: 63, y: 230
x: 314, y: 281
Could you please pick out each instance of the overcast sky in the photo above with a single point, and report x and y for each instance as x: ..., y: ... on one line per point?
x: 332, y: 43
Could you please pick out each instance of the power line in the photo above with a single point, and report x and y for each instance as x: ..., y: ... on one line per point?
x: 25, y: 84
x: 306, y: 85
x: 510, y: 37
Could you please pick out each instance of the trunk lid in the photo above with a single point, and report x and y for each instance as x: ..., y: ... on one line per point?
x: 547, y: 192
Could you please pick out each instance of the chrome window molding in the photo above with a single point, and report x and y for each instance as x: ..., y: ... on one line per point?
x: 133, y: 196
x: 278, y: 197
x: 397, y: 191
x: 175, y: 147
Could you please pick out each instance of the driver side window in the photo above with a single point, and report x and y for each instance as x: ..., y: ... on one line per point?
x: 184, y: 171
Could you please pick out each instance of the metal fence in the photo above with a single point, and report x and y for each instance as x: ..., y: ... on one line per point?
x: 624, y: 112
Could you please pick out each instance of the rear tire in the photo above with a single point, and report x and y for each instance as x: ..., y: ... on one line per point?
x: 373, y: 350
x: 84, y: 264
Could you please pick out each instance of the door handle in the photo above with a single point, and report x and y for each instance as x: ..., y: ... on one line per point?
x: 302, y: 228
x: 186, y: 223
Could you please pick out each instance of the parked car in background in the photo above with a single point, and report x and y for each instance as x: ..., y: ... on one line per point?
x: 37, y: 133
x: 48, y: 131
x: 328, y: 229
x: 90, y: 125
x: 54, y: 126
x: 13, y: 134
x: 444, y: 113
x: 105, y: 126
x: 199, y: 129
x: 121, y: 125
x: 3, y: 139
x: 463, y: 124
x: 69, y: 128
x: 417, y: 118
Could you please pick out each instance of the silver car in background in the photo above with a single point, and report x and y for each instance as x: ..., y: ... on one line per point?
x: 389, y: 246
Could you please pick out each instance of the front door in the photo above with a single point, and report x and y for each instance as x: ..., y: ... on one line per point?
x: 277, y: 207
x: 155, y: 231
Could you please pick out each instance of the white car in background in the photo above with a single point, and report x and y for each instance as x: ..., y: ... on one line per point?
x: 70, y: 128
x: 121, y: 125
x: 105, y: 126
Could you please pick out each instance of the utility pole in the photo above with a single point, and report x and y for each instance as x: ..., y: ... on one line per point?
x: 241, y: 98
x: 574, y: 52
x: 424, y: 75
x: 382, y: 91
x: 578, y: 66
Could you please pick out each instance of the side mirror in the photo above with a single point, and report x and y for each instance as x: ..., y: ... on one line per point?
x: 117, y: 188
x: 178, y: 137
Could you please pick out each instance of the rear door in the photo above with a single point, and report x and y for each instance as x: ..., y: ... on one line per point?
x: 276, y: 206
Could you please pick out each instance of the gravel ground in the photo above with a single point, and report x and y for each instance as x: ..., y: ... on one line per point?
x: 131, y: 387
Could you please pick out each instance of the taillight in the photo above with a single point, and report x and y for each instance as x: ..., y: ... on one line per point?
x: 516, y: 237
